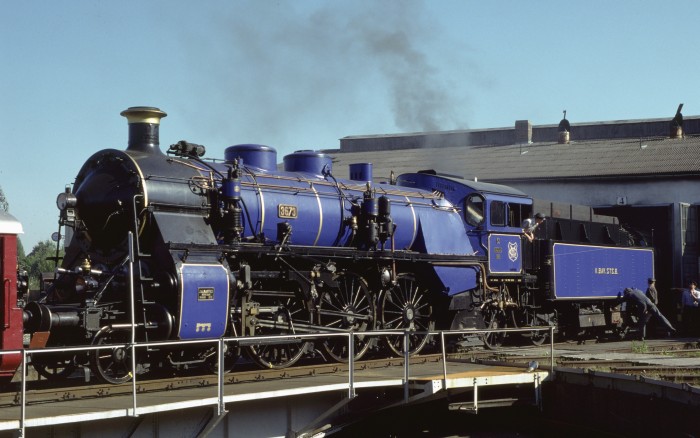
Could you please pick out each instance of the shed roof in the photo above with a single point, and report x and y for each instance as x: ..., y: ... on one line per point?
x: 9, y: 224
x: 544, y: 160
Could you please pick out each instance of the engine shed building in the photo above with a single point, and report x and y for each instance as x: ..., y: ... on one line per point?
x: 646, y: 172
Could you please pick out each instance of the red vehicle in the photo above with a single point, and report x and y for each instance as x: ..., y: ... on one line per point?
x: 10, y: 313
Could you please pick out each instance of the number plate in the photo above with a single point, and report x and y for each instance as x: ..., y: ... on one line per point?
x: 287, y: 211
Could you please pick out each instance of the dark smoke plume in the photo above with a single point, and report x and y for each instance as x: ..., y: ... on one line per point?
x: 284, y: 66
x: 419, y: 99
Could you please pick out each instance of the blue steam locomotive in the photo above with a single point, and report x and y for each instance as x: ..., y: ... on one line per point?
x: 187, y: 248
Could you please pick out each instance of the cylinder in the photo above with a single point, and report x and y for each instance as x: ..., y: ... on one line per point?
x: 40, y: 317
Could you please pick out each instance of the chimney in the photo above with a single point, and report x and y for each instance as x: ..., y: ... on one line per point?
x: 523, y: 132
x: 143, y: 128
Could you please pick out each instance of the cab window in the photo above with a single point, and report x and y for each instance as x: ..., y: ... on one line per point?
x: 498, y: 213
x: 517, y: 213
x: 474, y: 210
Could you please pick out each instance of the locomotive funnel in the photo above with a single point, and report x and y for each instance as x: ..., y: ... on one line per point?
x: 143, y: 128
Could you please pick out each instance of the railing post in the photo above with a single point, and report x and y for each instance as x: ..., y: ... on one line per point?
x: 220, y: 377
x: 405, y: 366
x: 551, y: 349
x: 444, y: 359
x: 23, y: 408
x: 351, y: 365
x: 133, y: 378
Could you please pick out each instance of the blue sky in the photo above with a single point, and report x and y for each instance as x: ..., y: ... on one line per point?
x: 302, y: 74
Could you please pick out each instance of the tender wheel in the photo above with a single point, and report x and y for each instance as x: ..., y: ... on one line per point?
x: 112, y: 364
x: 280, y: 311
x: 621, y: 332
x: 494, y: 319
x: 406, y: 306
x: 52, y: 367
x: 347, y: 306
x: 531, y: 316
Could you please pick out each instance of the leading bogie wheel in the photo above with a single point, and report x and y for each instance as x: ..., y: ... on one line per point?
x: 54, y: 367
x: 282, y: 307
x: 112, y: 363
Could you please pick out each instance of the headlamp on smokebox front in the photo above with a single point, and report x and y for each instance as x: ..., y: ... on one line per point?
x: 66, y: 203
x: 66, y: 200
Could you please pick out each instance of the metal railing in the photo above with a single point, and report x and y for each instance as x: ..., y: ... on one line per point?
x: 222, y: 342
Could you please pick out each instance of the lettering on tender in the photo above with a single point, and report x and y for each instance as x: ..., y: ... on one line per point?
x: 606, y: 271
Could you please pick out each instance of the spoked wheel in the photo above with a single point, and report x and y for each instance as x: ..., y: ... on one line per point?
x: 494, y: 319
x: 405, y: 306
x: 347, y: 306
x: 54, y: 368
x: 281, y: 311
x: 113, y: 362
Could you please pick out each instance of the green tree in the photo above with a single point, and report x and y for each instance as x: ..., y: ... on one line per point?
x: 40, y: 260
x: 20, y: 250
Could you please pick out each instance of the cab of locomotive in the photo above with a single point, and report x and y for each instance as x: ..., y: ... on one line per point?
x: 494, y: 224
x: 487, y: 212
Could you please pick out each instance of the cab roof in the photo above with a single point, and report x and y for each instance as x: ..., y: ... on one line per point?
x: 487, y: 188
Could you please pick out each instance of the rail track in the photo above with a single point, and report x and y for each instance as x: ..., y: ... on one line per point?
x: 634, y: 362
